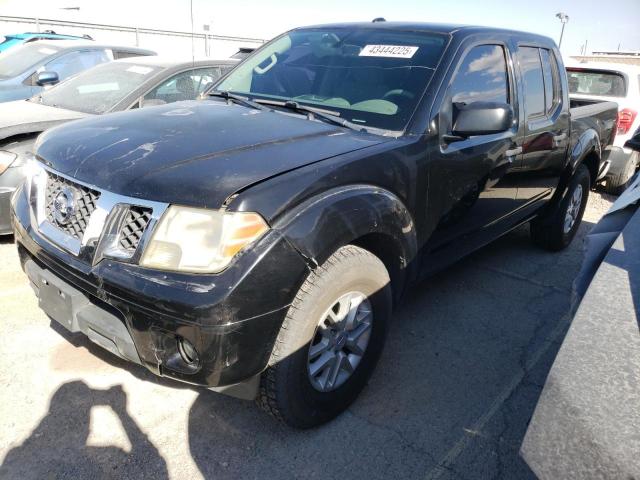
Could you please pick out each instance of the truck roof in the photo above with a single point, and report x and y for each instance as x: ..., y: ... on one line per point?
x: 445, y: 28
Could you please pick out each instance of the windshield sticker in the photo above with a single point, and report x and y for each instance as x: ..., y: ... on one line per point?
x: 389, y: 51
x: 98, y: 87
x: 47, y: 51
x: 139, y: 70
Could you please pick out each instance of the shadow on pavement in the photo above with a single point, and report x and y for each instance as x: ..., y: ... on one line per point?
x: 57, y: 447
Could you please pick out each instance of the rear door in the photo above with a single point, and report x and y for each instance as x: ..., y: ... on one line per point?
x: 473, y: 175
x: 546, y: 122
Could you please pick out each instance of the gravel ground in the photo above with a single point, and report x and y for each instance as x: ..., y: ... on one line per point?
x: 464, y: 365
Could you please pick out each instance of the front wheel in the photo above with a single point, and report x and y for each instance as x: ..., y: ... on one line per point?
x: 330, y: 340
x: 556, y: 229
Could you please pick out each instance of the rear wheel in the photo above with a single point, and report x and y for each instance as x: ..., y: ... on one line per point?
x: 556, y: 229
x: 616, y: 184
x: 330, y: 340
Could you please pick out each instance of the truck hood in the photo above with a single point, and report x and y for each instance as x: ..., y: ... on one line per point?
x: 21, y: 116
x: 194, y: 153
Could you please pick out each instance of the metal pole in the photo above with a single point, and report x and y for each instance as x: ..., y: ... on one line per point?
x: 193, y: 47
x: 137, y: 37
x: 37, y: 25
x: 561, y: 34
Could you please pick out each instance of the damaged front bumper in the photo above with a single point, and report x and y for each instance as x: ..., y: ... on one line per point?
x: 230, y: 319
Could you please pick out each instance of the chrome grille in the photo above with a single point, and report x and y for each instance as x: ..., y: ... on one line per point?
x: 85, y: 204
x: 133, y: 227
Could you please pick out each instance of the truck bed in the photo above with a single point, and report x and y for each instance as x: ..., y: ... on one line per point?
x: 594, y: 115
x: 581, y: 108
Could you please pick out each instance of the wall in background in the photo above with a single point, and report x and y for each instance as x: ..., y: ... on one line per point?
x: 164, y: 42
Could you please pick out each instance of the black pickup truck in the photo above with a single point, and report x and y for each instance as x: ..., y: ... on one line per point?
x: 254, y: 242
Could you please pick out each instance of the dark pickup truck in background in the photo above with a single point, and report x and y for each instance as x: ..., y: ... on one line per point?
x: 254, y: 242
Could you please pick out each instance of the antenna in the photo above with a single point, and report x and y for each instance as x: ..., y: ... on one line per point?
x: 193, y: 48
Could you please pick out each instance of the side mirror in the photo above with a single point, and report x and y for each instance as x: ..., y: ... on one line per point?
x: 482, y: 118
x: 47, y: 78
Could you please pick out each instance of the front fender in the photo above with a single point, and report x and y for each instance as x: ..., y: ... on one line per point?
x: 324, y: 223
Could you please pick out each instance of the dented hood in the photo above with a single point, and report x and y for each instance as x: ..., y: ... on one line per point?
x: 21, y: 117
x: 194, y: 153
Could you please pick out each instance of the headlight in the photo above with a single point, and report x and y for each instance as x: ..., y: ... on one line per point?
x: 199, y: 240
x: 6, y: 159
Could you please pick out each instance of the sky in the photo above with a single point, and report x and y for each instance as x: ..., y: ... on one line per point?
x: 605, y: 25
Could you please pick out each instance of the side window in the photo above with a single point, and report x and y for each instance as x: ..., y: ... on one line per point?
x: 118, y: 54
x: 551, y: 80
x: 74, y: 62
x: 184, y: 86
x: 482, y: 76
x: 533, y: 79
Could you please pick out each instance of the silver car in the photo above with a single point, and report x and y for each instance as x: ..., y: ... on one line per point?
x: 112, y: 87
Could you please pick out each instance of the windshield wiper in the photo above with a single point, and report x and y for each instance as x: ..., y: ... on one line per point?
x: 232, y: 97
x: 312, y: 113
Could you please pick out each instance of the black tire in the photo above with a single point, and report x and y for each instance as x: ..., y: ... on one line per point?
x: 548, y: 231
x: 616, y: 184
x: 286, y: 391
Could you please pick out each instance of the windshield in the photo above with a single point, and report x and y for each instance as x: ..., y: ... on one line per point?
x: 373, y: 77
x: 596, y: 82
x: 21, y: 58
x: 99, y: 89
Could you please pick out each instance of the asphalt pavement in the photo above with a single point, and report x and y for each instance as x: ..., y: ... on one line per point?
x: 465, y: 361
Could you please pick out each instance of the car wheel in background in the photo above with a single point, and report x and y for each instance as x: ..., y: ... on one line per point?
x: 555, y: 229
x: 616, y: 184
x: 330, y: 340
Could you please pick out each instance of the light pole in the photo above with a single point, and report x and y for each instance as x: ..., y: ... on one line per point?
x: 77, y: 9
x: 564, y: 18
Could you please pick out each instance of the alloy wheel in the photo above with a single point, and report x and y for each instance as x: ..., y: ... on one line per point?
x: 340, y: 341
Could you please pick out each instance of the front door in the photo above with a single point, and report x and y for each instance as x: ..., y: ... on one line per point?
x: 472, y: 176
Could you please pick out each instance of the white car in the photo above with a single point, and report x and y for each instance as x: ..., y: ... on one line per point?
x: 619, y: 83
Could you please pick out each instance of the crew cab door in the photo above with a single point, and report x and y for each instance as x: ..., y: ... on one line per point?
x: 546, y: 122
x: 470, y: 176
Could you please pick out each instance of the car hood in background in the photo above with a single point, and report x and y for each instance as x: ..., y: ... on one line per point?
x: 195, y: 153
x: 21, y: 117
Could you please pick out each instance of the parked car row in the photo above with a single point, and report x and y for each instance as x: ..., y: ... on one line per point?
x: 27, y: 69
x: 255, y: 241
x: 133, y: 82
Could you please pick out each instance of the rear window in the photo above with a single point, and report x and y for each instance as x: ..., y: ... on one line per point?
x: 596, y: 82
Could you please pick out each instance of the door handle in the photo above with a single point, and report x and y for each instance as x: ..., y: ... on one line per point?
x: 558, y: 139
x: 512, y: 153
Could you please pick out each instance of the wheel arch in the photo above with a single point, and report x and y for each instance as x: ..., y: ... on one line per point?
x: 364, y: 215
x: 587, y: 151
